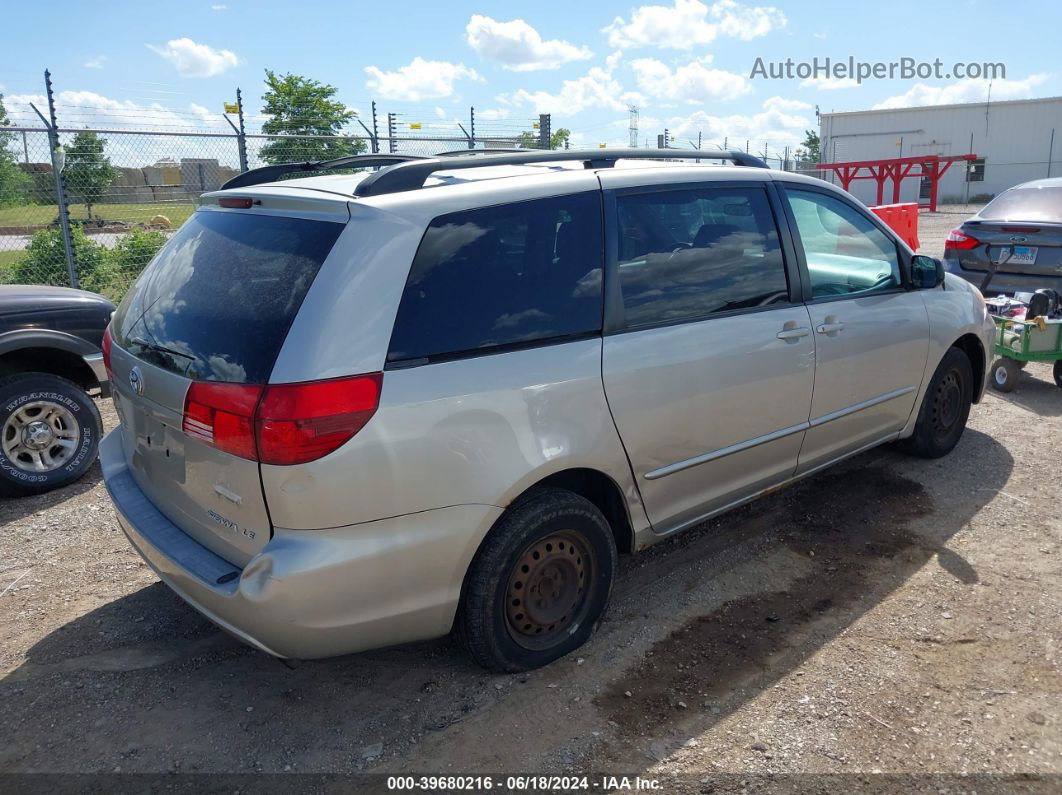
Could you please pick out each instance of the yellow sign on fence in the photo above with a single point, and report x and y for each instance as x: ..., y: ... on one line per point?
x: 232, y: 107
x: 414, y: 125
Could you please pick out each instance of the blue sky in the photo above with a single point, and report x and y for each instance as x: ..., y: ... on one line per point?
x: 684, y: 63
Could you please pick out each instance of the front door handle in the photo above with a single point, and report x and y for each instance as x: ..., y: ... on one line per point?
x: 793, y: 333
x: 829, y: 328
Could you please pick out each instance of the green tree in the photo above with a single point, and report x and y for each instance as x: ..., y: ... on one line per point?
x: 529, y: 139
x: 88, y: 171
x: 810, y: 150
x: 13, y: 180
x: 297, y: 105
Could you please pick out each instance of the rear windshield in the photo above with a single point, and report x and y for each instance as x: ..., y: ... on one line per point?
x: 217, y: 301
x: 1025, y: 204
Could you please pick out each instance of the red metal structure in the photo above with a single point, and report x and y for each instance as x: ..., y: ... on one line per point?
x: 931, y: 167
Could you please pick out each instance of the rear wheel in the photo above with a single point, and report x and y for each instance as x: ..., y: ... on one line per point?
x: 1058, y: 372
x: 49, y: 432
x: 945, y: 407
x: 540, y: 583
x: 1005, y: 374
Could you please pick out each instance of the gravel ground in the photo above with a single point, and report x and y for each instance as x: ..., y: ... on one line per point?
x: 889, y: 619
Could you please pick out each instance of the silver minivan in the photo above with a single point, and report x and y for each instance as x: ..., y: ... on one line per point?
x: 369, y: 408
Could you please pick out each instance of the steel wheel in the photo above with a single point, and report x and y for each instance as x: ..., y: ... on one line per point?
x: 947, y: 403
x: 548, y: 589
x: 41, y: 436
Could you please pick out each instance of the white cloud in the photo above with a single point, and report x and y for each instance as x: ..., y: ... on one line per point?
x: 963, y: 91
x: 598, y: 88
x: 781, y: 103
x: 418, y: 80
x: 493, y: 114
x: 195, y: 60
x: 95, y: 63
x: 518, y: 46
x: 690, y: 23
x: 777, y: 125
x: 829, y: 83
x: 693, y: 82
x: 219, y: 7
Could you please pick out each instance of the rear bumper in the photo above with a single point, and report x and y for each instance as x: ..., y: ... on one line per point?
x: 1005, y: 283
x: 313, y: 593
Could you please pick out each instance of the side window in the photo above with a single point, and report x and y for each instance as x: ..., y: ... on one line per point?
x: 686, y: 254
x: 845, y: 252
x: 503, y: 275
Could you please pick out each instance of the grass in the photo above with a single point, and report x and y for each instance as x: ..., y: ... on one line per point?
x: 44, y: 214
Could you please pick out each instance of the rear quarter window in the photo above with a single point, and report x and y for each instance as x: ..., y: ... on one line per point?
x: 504, y: 276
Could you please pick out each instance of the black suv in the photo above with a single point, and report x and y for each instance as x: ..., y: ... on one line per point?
x: 50, y: 359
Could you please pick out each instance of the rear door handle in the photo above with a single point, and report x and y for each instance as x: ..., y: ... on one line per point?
x: 793, y: 333
x: 829, y: 328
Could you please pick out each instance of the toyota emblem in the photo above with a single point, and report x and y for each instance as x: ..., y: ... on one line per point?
x: 136, y: 380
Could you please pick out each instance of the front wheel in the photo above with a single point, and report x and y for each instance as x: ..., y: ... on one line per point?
x: 1005, y: 375
x: 1058, y: 372
x: 539, y: 584
x: 945, y: 407
x: 49, y: 432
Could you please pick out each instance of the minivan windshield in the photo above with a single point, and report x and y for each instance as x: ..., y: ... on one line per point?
x: 216, y: 302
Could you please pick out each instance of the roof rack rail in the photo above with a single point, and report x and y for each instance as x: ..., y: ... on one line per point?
x: 410, y: 176
x: 459, y: 152
x: 256, y: 176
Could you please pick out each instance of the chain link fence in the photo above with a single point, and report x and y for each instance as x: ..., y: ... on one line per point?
x: 125, y: 185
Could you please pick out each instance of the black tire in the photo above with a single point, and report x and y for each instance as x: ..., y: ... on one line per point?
x: 945, y: 408
x: 581, y: 549
x: 1057, y: 371
x: 1005, y: 374
x: 62, y: 406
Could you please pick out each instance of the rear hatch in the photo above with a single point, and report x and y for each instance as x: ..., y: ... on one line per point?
x: 1021, y: 229
x: 210, y: 312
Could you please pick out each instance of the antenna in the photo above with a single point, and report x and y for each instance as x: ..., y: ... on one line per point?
x: 633, y: 125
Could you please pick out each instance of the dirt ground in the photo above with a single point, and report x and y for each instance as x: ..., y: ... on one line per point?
x: 881, y: 625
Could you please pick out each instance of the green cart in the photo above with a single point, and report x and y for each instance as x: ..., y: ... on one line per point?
x: 1019, y: 342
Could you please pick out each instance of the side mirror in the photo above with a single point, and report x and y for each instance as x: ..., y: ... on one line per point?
x: 926, y: 272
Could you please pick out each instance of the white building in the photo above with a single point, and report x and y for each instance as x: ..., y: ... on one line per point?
x: 1015, y: 141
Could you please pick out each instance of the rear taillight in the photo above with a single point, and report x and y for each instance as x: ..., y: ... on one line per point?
x: 281, y: 423
x: 302, y: 422
x: 961, y: 241
x: 106, y: 347
x: 222, y: 415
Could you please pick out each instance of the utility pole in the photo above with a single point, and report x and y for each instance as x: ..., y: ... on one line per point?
x: 543, y: 130
x: 632, y: 125
x: 392, y: 124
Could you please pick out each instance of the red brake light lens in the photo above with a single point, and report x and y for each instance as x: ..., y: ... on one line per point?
x: 236, y: 202
x: 222, y: 415
x: 281, y: 424
x: 297, y: 423
x: 958, y: 239
x: 106, y: 348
